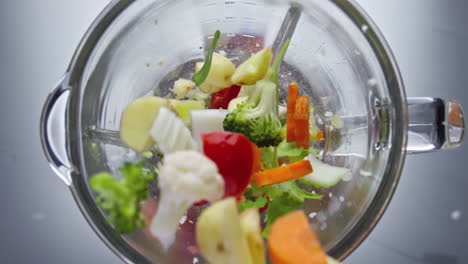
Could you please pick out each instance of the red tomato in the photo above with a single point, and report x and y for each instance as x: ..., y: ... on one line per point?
x: 233, y: 155
x: 222, y: 98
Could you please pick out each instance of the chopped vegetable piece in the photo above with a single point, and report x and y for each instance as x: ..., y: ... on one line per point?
x: 293, y: 93
x: 269, y: 157
x: 252, y: 232
x: 301, y: 116
x: 136, y: 122
x: 316, y: 134
x: 247, y: 90
x: 185, y: 178
x: 200, y: 77
x: 139, y: 116
x: 170, y: 133
x: 293, y: 191
x: 234, y: 156
x: 236, y: 102
x: 198, y: 95
x: 285, y: 197
x: 253, y: 69
x: 292, y: 152
x: 183, y: 109
x: 257, y: 158
x: 282, y: 111
x: 219, y: 76
x: 182, y: 87
x: 121, y: 199
x: 292, y: 241
x: 324, y: 175
x: 207, y: 121
x: 257, y: 203
x: 257, y: 118
x: 221, y: 99
x: 278, y: 207
x: 289, y: 172
x: 219, y: 234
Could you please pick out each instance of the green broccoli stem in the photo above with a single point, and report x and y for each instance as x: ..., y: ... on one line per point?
x: 267, y: 102
x: 275, y: 161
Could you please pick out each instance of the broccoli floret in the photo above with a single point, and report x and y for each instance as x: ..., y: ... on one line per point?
x: 257, y: 118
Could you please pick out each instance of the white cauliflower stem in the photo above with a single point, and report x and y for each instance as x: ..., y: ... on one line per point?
x: 185, y: 177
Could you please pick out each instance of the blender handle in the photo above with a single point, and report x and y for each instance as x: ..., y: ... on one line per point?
x: 53, y: 131
x: 434, y: 124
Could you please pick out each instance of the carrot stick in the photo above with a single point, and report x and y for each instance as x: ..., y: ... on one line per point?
x: 257, y: 158
x: 301, y: 117
x: 291, y: 240
x: 286, y: 173
x: 293, y: 92
x: 319, y: 135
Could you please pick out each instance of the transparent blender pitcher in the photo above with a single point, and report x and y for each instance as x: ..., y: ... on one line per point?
x: 337, y: 56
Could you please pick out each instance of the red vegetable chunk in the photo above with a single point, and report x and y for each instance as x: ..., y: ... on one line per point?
x: 233, y: 155
x: 221, y: 99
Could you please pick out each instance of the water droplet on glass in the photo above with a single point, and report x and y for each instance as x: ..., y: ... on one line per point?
x: 365, y: 28
x: 372, y: 82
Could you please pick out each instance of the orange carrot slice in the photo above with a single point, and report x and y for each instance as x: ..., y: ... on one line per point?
x: 301, y: 117
x: 293, y: 92
x: 291, y: 240
x: 281, y: 174
x: 257, y: 158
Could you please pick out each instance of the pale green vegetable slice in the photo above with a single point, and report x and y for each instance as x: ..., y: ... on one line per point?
x: 219, y: 76
x: 252, y: 232
x: 137, y: 120
x: 183, y: 109
x: 253, y: 69
x: 219, y: 234
x: 324, y: 175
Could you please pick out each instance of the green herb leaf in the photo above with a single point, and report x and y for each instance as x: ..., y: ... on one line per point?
x: 121, y: 199
x: 292, y: 152
x: 201, y: 76
x: 284, y: 198
x: 253, y: 202
x: 278, y: 207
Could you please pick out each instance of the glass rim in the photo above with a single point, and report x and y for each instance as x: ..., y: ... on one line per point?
x: 357, y: 233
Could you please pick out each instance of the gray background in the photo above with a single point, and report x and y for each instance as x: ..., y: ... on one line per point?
x: 40, y: 222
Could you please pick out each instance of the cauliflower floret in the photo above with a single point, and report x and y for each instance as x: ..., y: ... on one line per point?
x: 182, y: 87
x: 185, y: 177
